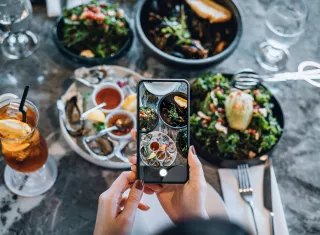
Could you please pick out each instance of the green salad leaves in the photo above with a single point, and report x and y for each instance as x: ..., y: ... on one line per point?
x: 209, y: 124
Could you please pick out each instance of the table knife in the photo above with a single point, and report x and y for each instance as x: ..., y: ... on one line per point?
x: 267, y: 195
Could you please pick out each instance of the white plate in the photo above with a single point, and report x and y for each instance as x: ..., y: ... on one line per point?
x: 160, y: 88
x: 155, y: 219
x: 120, y: 72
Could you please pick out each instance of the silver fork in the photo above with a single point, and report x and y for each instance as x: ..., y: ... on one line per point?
x: 245, y: 189
x: 249, y: 79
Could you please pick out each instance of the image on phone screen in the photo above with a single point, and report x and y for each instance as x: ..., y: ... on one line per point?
x: 163, y: 131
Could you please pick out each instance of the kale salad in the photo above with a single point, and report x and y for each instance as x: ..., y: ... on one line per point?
x: 238, y: 125
x: 95, y: 30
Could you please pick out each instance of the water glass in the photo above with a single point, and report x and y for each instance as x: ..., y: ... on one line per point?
x: 15, y: 17
x: 284, y: 24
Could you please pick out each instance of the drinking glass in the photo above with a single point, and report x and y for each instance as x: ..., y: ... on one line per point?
x: 285, y: 22
x: 29, y: 171
x: 15, y: 16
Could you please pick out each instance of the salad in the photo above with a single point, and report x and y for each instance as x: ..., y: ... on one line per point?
x: 148, y: 119
x: 237, y: 124
x: 95, y: 30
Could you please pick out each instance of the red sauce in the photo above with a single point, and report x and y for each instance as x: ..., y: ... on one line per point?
x: 109, y: 95
x: 154, y: 146
x: 161, y: 155
x: 112, y: 122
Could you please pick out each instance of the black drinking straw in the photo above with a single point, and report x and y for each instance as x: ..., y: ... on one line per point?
x: 23, y: 100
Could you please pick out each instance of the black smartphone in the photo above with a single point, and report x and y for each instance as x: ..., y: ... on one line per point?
x: 163, y: 131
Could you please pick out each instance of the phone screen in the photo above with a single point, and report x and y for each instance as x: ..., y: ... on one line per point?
x: 163, y: 131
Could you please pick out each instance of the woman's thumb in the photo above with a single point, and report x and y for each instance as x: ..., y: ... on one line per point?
x: 195, y: 167
x: 133, y: 199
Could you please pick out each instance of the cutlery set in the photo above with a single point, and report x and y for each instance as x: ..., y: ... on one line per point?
x: 246, y: 191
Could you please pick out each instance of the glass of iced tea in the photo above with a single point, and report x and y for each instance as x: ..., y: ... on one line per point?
x: 29, y: 171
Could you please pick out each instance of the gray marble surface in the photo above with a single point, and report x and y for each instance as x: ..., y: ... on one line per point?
x: 70, y: 206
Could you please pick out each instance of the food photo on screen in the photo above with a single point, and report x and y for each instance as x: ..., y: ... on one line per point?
x: 163, y: 127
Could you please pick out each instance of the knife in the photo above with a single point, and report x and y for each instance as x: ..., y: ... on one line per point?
x: 267, y: 195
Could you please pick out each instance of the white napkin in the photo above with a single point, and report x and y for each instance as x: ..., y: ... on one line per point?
x: 155, y: 220
x: 74, y: 3
x: 53, y: 8
x: 240, y: 212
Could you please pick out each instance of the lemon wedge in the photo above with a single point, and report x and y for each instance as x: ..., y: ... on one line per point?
x: 152, y: 155
x: 181, y: 102
x: 14, y: 147
x: 97, y: 116
x: 11, y: 129
x: 130, y: 103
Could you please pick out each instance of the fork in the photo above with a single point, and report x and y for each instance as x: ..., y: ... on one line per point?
x: 249, y: 79
x: 245, y: 189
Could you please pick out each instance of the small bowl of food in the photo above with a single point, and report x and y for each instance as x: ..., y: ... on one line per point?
x: 148, y: 119
x: 111, y: 94
x: 124, y: 121
x: 93, y: 33
x: 191, y: 32
x: 173, y: 110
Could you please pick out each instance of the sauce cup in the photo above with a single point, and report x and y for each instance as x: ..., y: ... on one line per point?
x: 99, y: 97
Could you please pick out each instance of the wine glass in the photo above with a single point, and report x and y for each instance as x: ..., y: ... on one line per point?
x: 285, y: 22
x: 29, y: 171
x: 15, y: 17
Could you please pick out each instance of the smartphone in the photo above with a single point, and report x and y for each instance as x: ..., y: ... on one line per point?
x: 163, y: 131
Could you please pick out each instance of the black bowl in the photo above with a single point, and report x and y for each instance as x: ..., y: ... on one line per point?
x: 218, y: 161
x: 179, y: 143
x: 141, y: 20
x: 58, y: 36
x: 170, y: 98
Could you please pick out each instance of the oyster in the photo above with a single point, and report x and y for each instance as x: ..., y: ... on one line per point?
x: 146, y: 138
x: 73, y: 109
x: 144, y: 152
x: 168, y: 161
x: 155, y: 164
x: 92, y: 76
x: 130, y: 148
x: 101, y: 146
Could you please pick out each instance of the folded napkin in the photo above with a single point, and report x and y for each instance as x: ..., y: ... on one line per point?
x: 54, y: 7
x: 240, y: 212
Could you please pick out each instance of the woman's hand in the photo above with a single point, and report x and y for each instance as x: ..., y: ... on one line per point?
x: 116, y: 213
x: 182, y: 201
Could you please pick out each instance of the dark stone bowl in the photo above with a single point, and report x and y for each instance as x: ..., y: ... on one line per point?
x: 216, y: 159
x: 58, y: 36
x: 140, y: 21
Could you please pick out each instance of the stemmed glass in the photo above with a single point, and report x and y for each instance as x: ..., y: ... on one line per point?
x: 15, y: 17
x: 29, y: 171
x: 285, y: 22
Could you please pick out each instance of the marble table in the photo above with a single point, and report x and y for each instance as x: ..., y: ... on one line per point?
x: 70, y: 206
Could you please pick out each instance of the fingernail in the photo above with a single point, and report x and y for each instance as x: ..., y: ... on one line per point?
x: 139, y: 184
x: 193, y: 150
